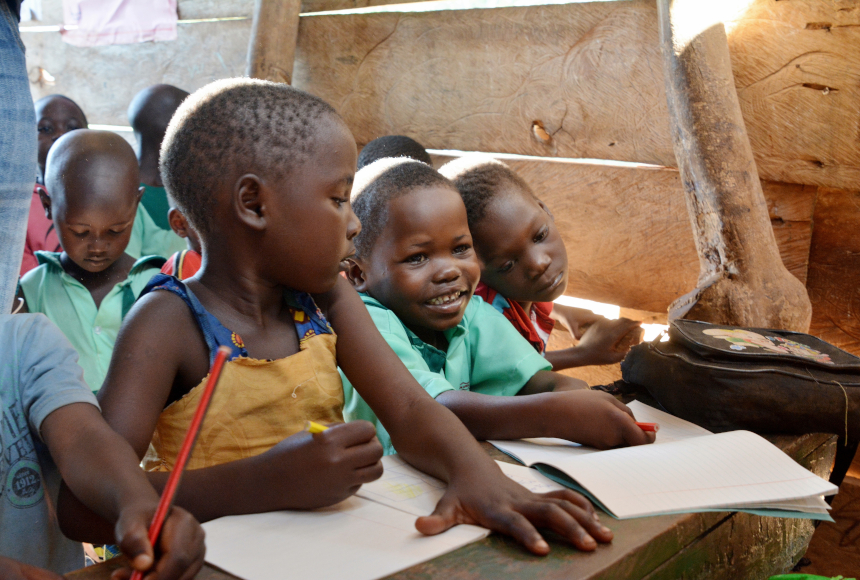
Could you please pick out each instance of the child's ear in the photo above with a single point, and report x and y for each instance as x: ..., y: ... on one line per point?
x: 46, y: 202
x: 177, y: 222
x: 355, y: 274
x: 140, y: 191
x: 248, y: 201
x: 546, y: 209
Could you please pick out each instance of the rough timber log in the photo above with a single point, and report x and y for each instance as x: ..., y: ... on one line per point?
x: 742, y: 280
x: 272, y: 47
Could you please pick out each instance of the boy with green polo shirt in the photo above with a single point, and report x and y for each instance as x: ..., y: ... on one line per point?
x: 416, y: 271
x: 87, y: 289
x: 149, y: 113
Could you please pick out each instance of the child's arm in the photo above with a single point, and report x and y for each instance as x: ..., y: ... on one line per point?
x: 14, y: 570
x: 100, y: 467
x: 603, y: 342
x: 430, y: 437
x: 158, y: 345
x: 592, y: 418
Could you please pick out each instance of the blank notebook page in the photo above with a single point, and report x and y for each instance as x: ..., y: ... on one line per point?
x: 717, y: 470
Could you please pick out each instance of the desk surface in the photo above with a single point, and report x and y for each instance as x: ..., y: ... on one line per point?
x: 704, y: 545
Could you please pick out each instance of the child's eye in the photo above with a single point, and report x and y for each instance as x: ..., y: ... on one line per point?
x: 416, y: 259
x: 542, y: 234
x: 117, y: 232
x: 46, y: 129
x: 81, y: 234
x: 340, y: 201
x: 506, y: 267
x: 462, y: 249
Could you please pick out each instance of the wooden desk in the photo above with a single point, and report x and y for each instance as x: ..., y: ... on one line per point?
x: 721, y: 545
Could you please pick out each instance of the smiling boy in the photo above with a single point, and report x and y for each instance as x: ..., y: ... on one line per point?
x: 88, y: 287
x: 416, y: 269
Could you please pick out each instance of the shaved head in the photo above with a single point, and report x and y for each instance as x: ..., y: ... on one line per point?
x: 91, y: 166
x: 151, y: 109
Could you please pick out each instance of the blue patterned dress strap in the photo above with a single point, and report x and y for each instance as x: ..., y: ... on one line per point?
x: 214, y: 333
x: 308, y: 318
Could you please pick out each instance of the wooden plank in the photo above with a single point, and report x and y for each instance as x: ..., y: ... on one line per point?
x: 323, y: 5
x: 198, y: 9
x: 834, y: 269
x: 104, y: 79
x: 272, y: 47
x: 590, y: 73
x: 627, y: 233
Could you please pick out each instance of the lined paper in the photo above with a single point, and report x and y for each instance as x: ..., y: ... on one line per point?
x: 687, y: 469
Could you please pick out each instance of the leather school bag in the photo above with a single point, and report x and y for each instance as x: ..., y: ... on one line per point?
x: 766, y: 381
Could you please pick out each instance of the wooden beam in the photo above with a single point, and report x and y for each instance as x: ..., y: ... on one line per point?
x: 591, y: 74
x: 742, y: 281
x: 834, y: 269
x: 272, y: 46
x: 627, y: 233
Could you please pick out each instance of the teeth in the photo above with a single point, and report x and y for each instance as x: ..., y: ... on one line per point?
x: 445, y: 299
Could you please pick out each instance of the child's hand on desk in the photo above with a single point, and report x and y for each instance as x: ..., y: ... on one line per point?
x: 308, y: 471
x: 14, y: 570
x: 593, y: 418
x: 494, y: 501
x: 181, y: 548
x: 608, y: 341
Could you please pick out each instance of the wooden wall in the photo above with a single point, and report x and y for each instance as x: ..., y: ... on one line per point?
x: 591, y: 75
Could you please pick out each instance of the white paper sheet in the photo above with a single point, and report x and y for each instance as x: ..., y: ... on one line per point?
x: 356, y: 539
x: 687, y: 469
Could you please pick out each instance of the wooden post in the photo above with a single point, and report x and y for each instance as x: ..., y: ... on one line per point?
x: 272, y: 47
x: 742, y: 281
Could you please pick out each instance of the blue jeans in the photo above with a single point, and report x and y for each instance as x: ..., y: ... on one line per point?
x: 18, y: 154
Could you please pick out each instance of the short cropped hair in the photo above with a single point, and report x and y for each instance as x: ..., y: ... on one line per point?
x: 377, y: 185
x: 479, y: 178
x: 231, y: 126
x: 393, y: 146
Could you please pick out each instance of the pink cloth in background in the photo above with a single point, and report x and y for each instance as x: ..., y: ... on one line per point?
x: 103, y: 22
x: 40, y: 233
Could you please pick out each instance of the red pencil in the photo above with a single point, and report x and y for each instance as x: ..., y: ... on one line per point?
x: 653, y: 427
x: 185, y: 452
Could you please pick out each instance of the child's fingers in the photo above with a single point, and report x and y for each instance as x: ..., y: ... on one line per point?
x: 182, y: 545
x: 521, y: 529
x: 349, y: 434
x: 587, y: 518
x: 442, y: 518
x: 567, y: 520
x: 369, y: 473
x: 134, y: 542
x: 365, y: 454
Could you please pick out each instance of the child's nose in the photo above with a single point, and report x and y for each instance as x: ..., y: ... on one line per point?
x: 447, y: 272
x: 538, y: 264
x: 353, y: 227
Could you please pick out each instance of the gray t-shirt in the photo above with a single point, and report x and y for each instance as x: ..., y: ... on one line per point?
x: 39, y: 374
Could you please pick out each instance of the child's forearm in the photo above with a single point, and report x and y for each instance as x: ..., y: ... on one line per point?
x: 493, y: 417
x: 96, y: 463
x: 569, y: 358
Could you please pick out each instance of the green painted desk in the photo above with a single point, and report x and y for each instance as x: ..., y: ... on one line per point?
x: 730, y: 546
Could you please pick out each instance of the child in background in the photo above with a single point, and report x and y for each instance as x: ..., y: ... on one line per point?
x: 417, y: 270
x: 51, y: 428
x: 149, y: 114
x: 185, y: 263
x: 56, y: 115
x: 524, y: 265
x: 88, y: 288
x: 266, y: 186
x: 392, y: 146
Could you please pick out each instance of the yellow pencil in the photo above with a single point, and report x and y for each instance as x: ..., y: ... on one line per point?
x: 314, y: 427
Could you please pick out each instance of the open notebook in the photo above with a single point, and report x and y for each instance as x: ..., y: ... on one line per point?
x: 370, y: 535
x: 688, y: 469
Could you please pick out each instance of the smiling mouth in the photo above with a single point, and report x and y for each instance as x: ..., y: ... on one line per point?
x: 446, y: 299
